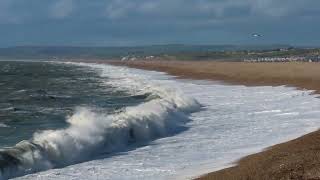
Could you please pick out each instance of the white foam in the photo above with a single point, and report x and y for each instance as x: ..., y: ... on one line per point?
x: 3, y: 125
x: 235, y: 122
x: 90, y: 134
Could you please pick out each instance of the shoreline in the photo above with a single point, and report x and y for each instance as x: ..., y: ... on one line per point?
x: 301, y: 75
x: 296, y: 159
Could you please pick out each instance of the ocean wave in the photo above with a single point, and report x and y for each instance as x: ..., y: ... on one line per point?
x: 90, y: 133
x: 2, y: 125
x: 7, y: 109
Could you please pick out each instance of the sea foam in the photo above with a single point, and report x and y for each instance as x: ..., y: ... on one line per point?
x: 90, y: 133
x: 235, y: 121
x: 2, y: 125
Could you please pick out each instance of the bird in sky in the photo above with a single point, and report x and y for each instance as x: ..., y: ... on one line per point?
x: 256, y: 35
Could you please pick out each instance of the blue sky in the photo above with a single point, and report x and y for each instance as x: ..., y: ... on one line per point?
x: 145, y: 22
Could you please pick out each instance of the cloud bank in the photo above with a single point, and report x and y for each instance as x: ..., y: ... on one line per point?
x: 127, y: 22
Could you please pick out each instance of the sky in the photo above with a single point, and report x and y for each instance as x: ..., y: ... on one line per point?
x: 148, y: 22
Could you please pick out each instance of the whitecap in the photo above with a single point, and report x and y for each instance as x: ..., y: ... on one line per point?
x: 2, y: 125
x: 90, y: 133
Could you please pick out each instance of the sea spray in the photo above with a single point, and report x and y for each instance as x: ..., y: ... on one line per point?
x: 224, y: 131
x: 90, y: 133
x: 3, y: 125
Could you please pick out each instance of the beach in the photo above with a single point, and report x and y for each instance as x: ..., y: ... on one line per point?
x: 132, y: 120
x: 296, y: 159
x: 160, y: 90
x: 297, y: 74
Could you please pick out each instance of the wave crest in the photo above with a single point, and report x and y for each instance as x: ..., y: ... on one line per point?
x: 90, y: 134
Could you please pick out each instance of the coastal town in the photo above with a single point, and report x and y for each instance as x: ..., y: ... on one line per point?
x: 285, y: 59
x: 315, y: 58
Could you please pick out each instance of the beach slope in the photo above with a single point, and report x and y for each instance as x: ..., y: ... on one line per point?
x: 296, y: 159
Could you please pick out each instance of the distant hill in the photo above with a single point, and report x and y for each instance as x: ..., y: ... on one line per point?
x: 50, y: 52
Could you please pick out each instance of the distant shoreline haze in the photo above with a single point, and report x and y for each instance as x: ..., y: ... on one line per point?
x: 175, y: 51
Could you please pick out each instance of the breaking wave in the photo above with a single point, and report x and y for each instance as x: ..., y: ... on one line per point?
x: 90, y: 133
x: 2, y: 125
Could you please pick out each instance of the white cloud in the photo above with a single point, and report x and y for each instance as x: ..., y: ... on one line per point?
x: 149, y: 6
x: 217, y: 9
x: 119, y: 8
x: 190, y: 11
x: 268, y: 8
x: 62, y: 9
x: 271, y: 8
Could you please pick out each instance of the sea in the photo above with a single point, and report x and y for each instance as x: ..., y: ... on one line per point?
x: 71, y: 120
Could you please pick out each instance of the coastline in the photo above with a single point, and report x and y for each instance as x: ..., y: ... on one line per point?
x: 295, y: 159
x: 297, y: 74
